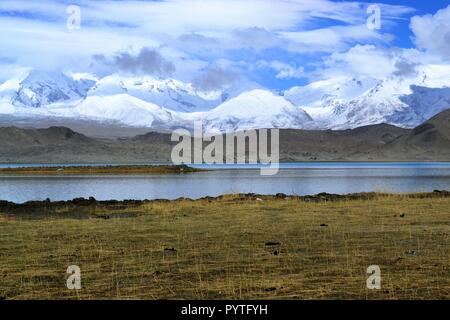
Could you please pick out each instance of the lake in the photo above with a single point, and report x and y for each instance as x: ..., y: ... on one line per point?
x: 293, y: 178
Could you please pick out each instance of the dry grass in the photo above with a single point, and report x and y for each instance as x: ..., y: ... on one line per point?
x: 220, y: 251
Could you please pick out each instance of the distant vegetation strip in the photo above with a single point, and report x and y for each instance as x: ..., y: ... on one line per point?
x: 107, y: 169
x: 77, y: 203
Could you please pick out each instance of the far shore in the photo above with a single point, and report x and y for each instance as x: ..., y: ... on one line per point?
x: 96, y: 169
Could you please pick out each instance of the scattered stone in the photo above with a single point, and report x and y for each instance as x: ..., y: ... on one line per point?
x: 271, y: 243
x: 324, y: 225
x: 412, y: 252
x: 170, y: 249
x: 103, y: 216
x: 402, y: 215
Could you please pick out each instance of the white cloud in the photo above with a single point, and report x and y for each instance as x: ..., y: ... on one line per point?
x: 146, y: 61
x: 193, y: 35
x: 431, y: 36
x: 284, y: 70
x: 371, y: 61
x: 214, y: 78
x: 180, y: 16
x: 331, y: 39
x: 432, y: 32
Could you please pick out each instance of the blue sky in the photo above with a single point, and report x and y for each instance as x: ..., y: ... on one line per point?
x: 275, y: 43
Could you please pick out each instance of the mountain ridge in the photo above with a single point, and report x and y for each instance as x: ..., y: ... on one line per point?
x: 382, y: 142
x: 165, y: 104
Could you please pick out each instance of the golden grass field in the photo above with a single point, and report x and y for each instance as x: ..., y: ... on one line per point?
x: 232, y: 247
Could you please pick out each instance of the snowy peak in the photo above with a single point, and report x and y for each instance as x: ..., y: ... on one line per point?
x: 326, y: 91
x: 123, y: 108
x: 253, y: 103
x: 44, y: 88
x: 336, y: 103
x: 256, y: 109
x: 168, y: 93
x: 342, y: 103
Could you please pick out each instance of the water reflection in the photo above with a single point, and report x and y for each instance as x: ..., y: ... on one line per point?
x: 297, y: 179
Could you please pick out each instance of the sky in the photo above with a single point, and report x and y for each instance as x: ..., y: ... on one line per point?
x: 276, y: 44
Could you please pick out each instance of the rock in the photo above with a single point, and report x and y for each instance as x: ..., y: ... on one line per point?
x: 103, y: 216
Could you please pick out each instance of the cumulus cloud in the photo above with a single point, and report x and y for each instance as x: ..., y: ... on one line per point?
x: 197, y: 39
x: 284, y: 70
x: 367, y: 60
x: 405, y: 68
x: 214, y: 78
x: 432, y: 32
x: 371, y: 61
x: 258, y: 38
x: 332, y: 39
x: 230, y: 35
x: 147, y: 61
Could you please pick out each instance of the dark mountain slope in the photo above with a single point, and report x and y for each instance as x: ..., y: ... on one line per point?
x: 356, y: 144
x: 428, y: 142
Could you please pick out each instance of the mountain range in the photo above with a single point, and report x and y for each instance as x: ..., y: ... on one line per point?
x: 429, y: 141
x: 165, y: 104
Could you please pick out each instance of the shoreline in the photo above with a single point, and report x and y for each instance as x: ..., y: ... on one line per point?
x: 159, y: 163
x: 239, y: 197
x: 99, y: 169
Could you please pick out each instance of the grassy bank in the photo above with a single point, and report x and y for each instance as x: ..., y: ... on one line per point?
x: 230, y: 247
x: 87, y: 170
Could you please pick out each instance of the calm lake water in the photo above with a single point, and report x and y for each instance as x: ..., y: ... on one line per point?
x: 293, y: 178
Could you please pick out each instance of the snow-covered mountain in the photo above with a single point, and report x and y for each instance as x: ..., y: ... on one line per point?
x: 42, y: 88
x: 336, y: 103
x: 123, y: 108
x: 255, y: 109
x: 342, y: 103
x: 169, y: 93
